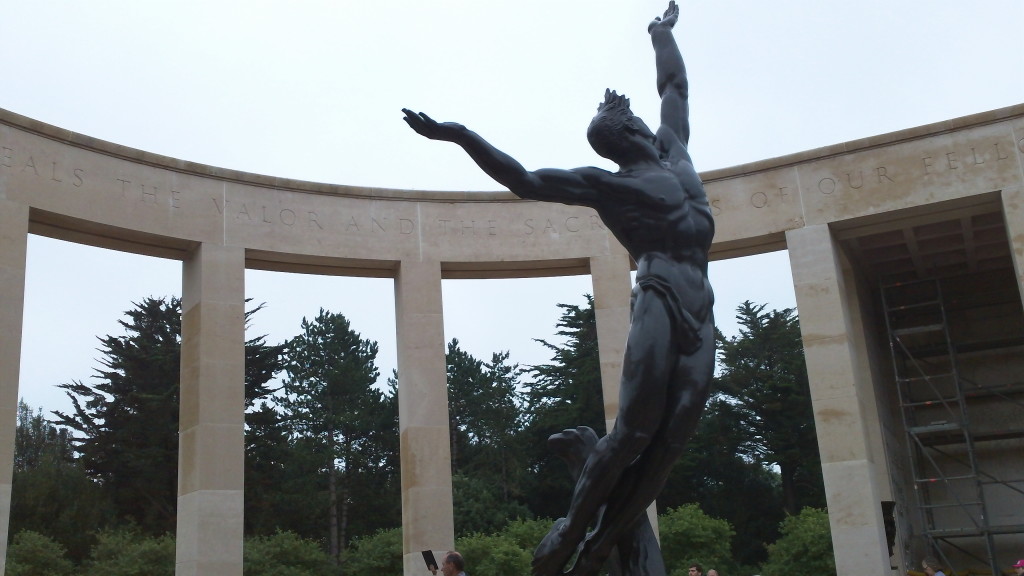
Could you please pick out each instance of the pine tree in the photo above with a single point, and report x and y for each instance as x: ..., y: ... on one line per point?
x: 565, y: 394
x: 488, y: 460
x: 126, y: 421
x: 330, y: 405
x: 764, y: 376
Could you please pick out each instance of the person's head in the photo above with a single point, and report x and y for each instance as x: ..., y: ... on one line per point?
x: 616, y: 133
x: 1019, y: 567
x: 695, y: 570
x: 453, y: 563
x: 712, y: 572
x: 931, y: 566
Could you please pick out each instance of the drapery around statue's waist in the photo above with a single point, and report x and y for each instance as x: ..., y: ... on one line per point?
x: 685, y: 327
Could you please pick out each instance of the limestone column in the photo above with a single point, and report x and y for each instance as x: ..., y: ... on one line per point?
x: 1013, y: 215
x: 610, y: 277
x: 211, y: 443
x: 841, y: 396
x: 427, y: 517
x: 13, y: 247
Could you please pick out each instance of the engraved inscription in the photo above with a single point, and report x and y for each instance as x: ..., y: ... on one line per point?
x: 760, y: 199
x: 468, y: 227
x: 974, y: 156
x: 855, y: 180
x: 571, y: 224
x: 55, y: 172
x: 263, y: 214
x: 148, y: 194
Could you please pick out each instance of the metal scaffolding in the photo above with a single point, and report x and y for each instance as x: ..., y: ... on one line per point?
x: 946, y: 417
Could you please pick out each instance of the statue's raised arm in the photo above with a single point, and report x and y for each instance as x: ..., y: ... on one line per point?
x: 672, y: 84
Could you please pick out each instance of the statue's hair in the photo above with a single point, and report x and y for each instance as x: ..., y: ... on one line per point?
x: 615, y: 109
x: 613, y: 119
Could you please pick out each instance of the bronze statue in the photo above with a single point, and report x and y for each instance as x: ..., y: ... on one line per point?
x: 656, y: 207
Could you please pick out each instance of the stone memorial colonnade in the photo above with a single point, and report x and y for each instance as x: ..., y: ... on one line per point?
x: 219, y: 222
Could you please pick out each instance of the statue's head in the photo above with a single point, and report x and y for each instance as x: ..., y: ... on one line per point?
x: 614, y: 129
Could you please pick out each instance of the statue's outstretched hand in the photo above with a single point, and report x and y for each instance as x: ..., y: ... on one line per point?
x: 426, y: 126
x: 667, y: 21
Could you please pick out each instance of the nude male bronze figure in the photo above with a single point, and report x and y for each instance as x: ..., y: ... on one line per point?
x: 655, y: 205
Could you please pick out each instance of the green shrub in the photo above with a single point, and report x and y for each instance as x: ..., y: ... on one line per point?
x: 527, y: 534
x: 128, y: 553
x: 32, y: 554
x: 688, y: 535
x: 804, y: 548
x: 497, y: 555
x: 377, y: 554
x: 285, y: 554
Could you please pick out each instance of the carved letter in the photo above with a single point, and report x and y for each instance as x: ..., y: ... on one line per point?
x: 175, y: 199
x: 999, y: 153
x: 312, y: 219
x: 549, y: 227
x: 595, y: 223
x: 826, y: 185
x: 860, y: 177
x: 53, y: 172
x: 881, y: 174
x: 782, y: 193
x: 951, y: 160
x: 79, y: 180
x: 927, y: 164
x: 30, y: 164
x: 759, y: 200
x: 244, y: 211
x: 265, y: 221
x: 716, y: 209
x: 148, y: 196
x: 124, y: 187
x: 374, y: 221
x: 405, y: 226
x: 492, y: 228
x: 570, y: 224
x: 471, y: 227
x: 287, y: 217
x: 6, y: 156
x: 975, y: 154
x: 352, y: 224
x: 220, y: 209
x: 1020, y: 144
x: 529, y: 225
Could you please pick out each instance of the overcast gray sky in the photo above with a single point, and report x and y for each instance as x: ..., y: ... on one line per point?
x: 313, y: 91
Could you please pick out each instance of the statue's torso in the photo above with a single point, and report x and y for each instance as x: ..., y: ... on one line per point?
x: 663, y: 219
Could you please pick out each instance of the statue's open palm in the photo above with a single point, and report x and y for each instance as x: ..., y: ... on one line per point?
x: 669, y: 19
x: 426, y: 126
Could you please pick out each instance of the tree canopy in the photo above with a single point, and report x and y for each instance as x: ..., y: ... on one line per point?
x: 322, y: 442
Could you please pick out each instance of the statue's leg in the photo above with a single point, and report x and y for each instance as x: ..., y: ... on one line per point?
x: 637, y: 552
x: 648, y: 364
x: 643, y: 481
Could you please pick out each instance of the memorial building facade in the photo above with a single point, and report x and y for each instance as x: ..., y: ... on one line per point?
x: 907, y: 255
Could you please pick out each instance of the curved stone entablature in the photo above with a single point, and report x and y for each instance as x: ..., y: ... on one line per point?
x: 218, y: 222
x: 83, y: 189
